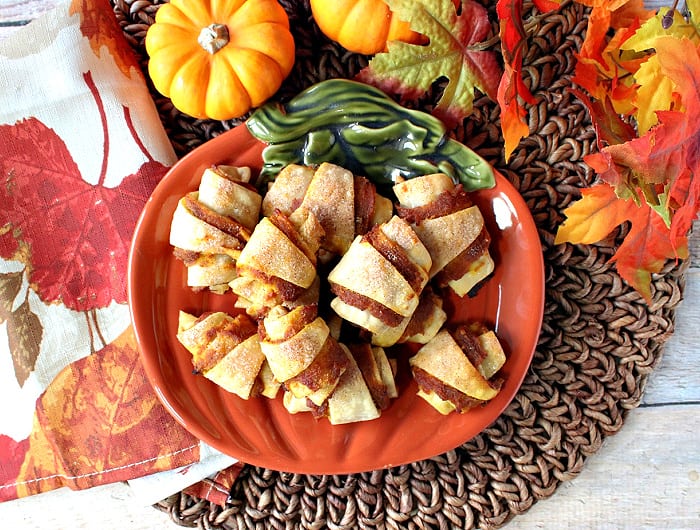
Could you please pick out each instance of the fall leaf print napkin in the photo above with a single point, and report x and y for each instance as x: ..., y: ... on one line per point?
x: 81, y: 149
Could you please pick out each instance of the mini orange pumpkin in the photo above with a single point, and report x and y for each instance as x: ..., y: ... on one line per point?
x: 219, y: 58
x: 362, y: 26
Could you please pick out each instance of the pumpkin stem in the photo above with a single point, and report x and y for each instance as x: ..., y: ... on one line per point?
x: 213, y: 37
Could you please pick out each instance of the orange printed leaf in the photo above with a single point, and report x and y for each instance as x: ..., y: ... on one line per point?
x: 99, y: 25
x: 99, y: 422
x: 13, y: 453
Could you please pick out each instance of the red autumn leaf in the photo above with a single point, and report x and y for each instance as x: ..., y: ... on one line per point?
x: 685, y: 196
x: 645, y: 249
x: 545, y: 6
x: 77, y: 233
x: 512, y: 91
x: 610, y: 128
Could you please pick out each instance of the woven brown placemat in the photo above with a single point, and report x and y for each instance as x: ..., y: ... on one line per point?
x: 599, y: 340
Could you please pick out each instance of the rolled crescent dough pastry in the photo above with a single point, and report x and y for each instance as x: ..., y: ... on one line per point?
x: 278, y: 264
x: 450, y: 227
x: 379, y: 280
x: 454, y: 368
x: 344, y: 204
x: 225, y: 349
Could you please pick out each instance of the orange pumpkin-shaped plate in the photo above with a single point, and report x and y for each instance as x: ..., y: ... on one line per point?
x: 260, y: 431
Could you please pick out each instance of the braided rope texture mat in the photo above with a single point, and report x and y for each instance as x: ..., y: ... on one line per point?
x: 599, y: 340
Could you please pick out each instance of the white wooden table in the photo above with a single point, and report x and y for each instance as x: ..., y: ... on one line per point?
x: 645, y: 477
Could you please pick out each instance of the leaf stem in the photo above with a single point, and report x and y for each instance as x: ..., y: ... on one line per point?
x: 528, y: 26
x: 667, y: 20
x: 134, y: 134
x: 103, y: 119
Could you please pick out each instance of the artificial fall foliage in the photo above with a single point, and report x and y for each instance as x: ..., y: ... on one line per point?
x: 458, y: 49
x: 512, y: 91
x: 639, y: 75
x: 641, y: 72
x: 453, y: 52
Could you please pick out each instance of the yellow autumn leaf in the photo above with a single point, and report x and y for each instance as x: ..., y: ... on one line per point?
x: 693, y: 6
x: 645, y: 37
x: 655, y: 92
x: 594, y: 216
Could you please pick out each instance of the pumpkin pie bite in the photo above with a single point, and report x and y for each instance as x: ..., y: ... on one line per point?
x: 450, y: 227
x: 455, y: 370
x: 225, y: 349
x: 278, y: 264
x: 344, y: 204
x: 379, y: 280
x: 211, y: 226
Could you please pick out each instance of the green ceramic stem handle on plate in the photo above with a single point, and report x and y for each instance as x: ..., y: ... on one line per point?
x: 360, y: 128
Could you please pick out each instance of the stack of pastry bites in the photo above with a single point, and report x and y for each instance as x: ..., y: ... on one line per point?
x: 328, y: 276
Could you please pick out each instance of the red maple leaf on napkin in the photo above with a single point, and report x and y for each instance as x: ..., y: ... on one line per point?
x: 74, y: 234
x: 13, y: 453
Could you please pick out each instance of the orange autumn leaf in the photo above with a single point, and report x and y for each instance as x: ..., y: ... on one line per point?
x: 513, y: 113
x: 594, y: 216
x: 652, y: 163
x: 98, y: 422
x: 646, y: 247
x: 656, y: 89
x: 512, y: 92
x: 601, y: 66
